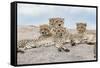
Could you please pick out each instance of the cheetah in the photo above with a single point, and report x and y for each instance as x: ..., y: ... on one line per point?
x: 45, y: 39
x: 59, y: 39
x: 56, y: 23
x: 82, y: 36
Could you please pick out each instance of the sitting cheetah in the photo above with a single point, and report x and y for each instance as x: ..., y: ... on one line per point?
x: 82, y: 36
x: 56, y: 23
x: 60, y: 38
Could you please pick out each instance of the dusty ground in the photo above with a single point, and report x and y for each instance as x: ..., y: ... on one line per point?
x: 50, y: 54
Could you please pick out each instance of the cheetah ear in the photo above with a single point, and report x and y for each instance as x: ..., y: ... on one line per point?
x: 63, y: 19
x: 85, y: 24
x: 51, y: 20
x: 77, y: 24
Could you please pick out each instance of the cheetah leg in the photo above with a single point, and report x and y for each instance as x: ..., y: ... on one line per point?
x: 58, y: 46
x: 65, y: 49
x: 61, y: 47
x: 73, y: 43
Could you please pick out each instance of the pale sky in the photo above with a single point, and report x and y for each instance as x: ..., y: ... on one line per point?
x: 32, y: 14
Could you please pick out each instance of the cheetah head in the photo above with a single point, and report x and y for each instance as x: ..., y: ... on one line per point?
x: 44, y: 30
x: 60, y: 32
x: 81, y: 27
x: 56, y: 22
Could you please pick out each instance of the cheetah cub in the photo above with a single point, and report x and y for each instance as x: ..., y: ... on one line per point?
x: 45, y: 39
x: 60, y: 38
x: 81, y: 35
x: 46, y: 36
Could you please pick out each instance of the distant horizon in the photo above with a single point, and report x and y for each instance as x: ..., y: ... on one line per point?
x: 38, y: 26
